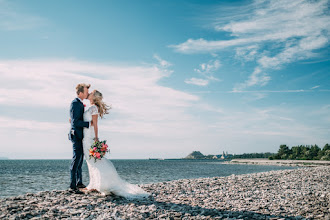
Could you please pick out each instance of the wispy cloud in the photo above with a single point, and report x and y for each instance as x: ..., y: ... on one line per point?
x: 315, y: 87
x: 269, y: 21
x: 271, y: 91
x: 13, y: 19
x: 258, y: 77
x: 162, y: 62
x: 163, y: 65
x: 207, y: 70
x: 262, y: 91
x: 295, y: 30
x: 247, y: 53
x: 196, y: 81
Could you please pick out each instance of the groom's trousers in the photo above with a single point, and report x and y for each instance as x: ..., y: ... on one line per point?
x: 76, y: 164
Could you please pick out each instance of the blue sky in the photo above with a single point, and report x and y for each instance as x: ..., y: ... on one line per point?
x: 236, y: 76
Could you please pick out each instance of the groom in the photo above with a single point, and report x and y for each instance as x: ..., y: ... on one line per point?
x: 76, y: 135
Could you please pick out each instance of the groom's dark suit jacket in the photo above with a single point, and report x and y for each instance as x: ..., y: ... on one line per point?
x: 77, y: 120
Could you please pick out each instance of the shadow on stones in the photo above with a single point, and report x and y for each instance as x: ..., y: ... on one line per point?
x: 178, y: 211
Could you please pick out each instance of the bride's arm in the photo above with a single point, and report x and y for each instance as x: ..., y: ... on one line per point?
x: 94, y: 122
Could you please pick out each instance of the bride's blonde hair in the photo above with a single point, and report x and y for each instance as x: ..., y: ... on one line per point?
x: 97, y: 99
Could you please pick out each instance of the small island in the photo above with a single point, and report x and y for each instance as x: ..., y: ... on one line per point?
x: 197, y: 155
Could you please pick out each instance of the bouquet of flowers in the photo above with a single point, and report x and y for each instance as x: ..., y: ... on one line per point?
x: 98, y: 150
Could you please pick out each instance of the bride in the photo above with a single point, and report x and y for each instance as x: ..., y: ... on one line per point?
x: 102, y: 174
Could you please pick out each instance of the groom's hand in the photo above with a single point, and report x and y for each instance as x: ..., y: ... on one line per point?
x: 69, y: 120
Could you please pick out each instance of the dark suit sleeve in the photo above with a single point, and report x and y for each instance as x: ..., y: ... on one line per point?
x: 76, y: 110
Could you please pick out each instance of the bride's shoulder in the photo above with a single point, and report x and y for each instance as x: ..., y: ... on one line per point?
x: 94, y: 109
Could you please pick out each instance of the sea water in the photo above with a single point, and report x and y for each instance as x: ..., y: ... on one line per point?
x: 28, y: 176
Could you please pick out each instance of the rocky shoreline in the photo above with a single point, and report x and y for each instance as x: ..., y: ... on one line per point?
x: 302, y: 193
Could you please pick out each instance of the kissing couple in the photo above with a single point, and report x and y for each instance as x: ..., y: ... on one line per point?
x: 103, y: 176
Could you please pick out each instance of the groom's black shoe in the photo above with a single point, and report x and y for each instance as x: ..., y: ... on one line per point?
x: 75, y: 191
x: 81, y: 186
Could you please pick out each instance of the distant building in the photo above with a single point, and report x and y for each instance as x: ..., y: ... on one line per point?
x: 225, y: 155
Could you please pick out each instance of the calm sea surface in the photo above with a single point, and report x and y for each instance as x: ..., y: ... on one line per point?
x: 22, y: 176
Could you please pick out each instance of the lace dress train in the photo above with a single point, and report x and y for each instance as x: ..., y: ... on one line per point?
x: 102, y: 173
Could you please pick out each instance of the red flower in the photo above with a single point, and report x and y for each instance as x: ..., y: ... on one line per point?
x: 84, y: 105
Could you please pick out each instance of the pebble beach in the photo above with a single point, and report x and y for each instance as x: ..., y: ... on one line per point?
x: 302, y: 193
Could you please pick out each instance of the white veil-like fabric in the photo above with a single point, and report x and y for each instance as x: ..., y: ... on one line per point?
x: 102, y: 173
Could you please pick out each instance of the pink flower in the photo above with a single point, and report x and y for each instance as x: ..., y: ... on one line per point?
x: 98, y: 155
x: 94, y: 148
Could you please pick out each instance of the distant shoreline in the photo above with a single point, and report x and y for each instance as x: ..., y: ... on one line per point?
x: 256, y: 161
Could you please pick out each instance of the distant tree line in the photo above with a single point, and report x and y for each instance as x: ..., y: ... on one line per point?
x: 302, y: 152
x: 253, y: 155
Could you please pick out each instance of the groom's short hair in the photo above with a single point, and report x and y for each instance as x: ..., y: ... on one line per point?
x: 80, y: 87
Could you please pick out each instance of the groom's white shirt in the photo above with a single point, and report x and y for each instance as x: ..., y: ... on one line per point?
x: 83, y: 103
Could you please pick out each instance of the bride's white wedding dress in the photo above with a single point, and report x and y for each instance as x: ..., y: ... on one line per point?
x: 102, y: 174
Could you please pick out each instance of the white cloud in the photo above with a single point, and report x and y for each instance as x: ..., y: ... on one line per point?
x: 315, y: 87
x: 293, y: 30
x: 9, y: 123
x: 207, y: 70
x: 270, y: 91
x: 247, y: 53
x: 162, y: 63
x: 209, y: 108
x: 51, y: 83
x: 302, y: 50
x: 131, y: 89
x: 204, y: 46
x: 147, y: 120
x: 196, y: 81
x: 143, y: 113
x: 258, y: 77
